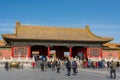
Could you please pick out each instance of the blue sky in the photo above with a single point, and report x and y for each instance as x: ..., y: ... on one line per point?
x: 103, y: 16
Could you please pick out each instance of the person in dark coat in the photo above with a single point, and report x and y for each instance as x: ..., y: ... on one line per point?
x: 7, y: 66
x: 68, y: 66
x: 108, y: 64
x: 58, y: 66
x: 74, y: 67
x: 118, y: 64
x: 42, y: 65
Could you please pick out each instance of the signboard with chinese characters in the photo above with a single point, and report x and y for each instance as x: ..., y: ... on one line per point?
x: 35, y: 52
x: 66, y: 54
x: 53, y: 53
x: 80, y: 54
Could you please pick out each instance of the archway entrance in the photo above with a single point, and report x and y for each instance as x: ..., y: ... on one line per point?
x: 39, y: 50
x: 60, y: 51
x: 79, y: 52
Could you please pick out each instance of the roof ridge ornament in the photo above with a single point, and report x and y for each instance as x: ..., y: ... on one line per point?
x: 17, y: 26
x: 17, y: 23
x: 87, y: 27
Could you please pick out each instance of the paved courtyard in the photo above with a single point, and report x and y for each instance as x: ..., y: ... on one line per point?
x: 36, y: 74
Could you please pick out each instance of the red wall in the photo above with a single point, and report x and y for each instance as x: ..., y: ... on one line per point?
x: 110, y: 54
x: 20, y: 51
x: 5, y: 52
x: 94, y: 52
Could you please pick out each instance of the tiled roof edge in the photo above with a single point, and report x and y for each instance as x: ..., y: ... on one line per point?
x: 106, y: 38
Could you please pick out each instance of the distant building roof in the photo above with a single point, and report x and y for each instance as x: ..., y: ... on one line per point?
x: 2, y: 43
x: 54, y: 33
x: 111, y: 46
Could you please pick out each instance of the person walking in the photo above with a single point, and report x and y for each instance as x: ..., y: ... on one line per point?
x: 42, y: 66
x: 68, y: 66
x: 53, y: 65
x: 58, y: 66
x: 113, y: 70
x: 108, y: 64
x: 118, y: 64
x: 33, y: 64
x: 7, y: 66
x: 74, y: 67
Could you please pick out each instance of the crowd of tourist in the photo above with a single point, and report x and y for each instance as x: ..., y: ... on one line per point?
x: 71, y: 65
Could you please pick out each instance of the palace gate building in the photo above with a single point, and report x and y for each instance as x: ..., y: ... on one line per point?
x: 29, y: 40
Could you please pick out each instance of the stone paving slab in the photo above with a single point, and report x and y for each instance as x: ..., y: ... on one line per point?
x: 101, y: 71
x: 36, y: 74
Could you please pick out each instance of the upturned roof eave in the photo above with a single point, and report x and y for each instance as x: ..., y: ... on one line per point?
x: 15, y: 38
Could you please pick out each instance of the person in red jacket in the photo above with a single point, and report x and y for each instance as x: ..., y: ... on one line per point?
x: 33, y: 64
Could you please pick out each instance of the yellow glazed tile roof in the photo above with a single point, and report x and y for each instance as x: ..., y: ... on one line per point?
x: 54, y: 33
x: 112, y: 45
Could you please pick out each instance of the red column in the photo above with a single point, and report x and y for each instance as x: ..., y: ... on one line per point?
x: 29, y: 51
x: 85, y: 53
x: 48, y: 51
x: 70, y: 52
x: 88, y: 54
x: 101, y: 52
x: 12, y: 52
